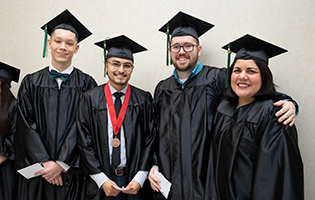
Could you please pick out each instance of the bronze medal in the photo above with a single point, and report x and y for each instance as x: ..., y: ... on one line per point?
x: 115, y: 142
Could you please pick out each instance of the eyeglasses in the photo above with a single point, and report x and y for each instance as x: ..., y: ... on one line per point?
x: 116, y: 65
x: 187, y: 48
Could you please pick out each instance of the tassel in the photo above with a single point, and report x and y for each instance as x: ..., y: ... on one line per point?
x: 45, y: 42
x: 168, y: 43
x: 228, y: 65
x: 104, y: 58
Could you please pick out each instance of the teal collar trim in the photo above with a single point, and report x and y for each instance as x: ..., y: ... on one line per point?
x: 194, y: 72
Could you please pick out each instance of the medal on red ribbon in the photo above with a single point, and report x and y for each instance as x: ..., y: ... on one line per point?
x: 116, y: 122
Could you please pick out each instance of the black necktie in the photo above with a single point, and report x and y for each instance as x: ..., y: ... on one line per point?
x: 54, y: 74
x: 116, y: 150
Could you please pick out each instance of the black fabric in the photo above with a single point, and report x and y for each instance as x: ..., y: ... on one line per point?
x: 47, y: 130
x: 8, y: 181
x: 92, y: 121
x: 253, y: 155
x: 39, y: 188
x: 8, y: 175
x: 116, y: 150
x: 9, y: 72
x: 183, y: 126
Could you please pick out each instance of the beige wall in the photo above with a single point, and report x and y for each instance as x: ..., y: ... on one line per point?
x: 287, y: 23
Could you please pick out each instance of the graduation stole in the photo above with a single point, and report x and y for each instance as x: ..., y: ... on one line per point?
x: 116, y: 122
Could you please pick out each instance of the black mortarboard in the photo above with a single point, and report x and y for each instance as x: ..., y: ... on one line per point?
x: 183, y: 24
x: 67, y: 21
x: 8, y: 72
x: 249, y: 47
x: 120, y: 46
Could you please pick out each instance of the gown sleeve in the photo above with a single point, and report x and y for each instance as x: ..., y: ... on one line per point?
x: 288, y: 98
x: 88, y: 161
x: 7, y: 150
x: 146, y: 160
x: 221, y: 81
x: 29, y: 147
x: 278, y: 169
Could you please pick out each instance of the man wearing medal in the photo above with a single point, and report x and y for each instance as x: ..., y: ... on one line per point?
x: 113, y: 123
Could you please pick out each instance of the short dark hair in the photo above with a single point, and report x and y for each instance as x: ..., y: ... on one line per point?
x: 267, y: 90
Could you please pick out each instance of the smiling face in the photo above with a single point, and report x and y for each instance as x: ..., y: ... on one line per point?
x: 245, y: 80
x: 185, y: 62
x: 63, y: 45
x: 119, y: 72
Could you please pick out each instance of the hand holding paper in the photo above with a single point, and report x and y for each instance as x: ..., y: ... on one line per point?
x: 28, y: 172
x: 120, y: 189
x: 165, y: 184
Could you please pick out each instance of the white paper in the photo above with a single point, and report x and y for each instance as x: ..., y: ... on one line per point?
x: 121, y: 189
x: 164, y: 184
x: 28, y: 172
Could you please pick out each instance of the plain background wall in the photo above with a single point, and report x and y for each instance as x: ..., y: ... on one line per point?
x: 287, y: 23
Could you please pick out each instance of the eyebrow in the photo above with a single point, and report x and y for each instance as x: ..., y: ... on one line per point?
x: 123, y: 63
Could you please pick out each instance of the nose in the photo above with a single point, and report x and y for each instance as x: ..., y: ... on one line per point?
x: 62, y: 45
x: 243, y: 75
x: 121, y: 68
x: 181, y: 49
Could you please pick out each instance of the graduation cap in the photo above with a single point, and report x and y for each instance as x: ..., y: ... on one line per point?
x: 120, y: 46
x: 183, y: 24
x: 9, y: 72
x: 249, y: 47
x: 66, y: 21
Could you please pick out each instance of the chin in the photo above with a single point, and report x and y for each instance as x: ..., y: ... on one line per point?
x: 120, y: 82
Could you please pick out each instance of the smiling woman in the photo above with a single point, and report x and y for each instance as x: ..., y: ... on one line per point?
x: 253, y: 156
x: 245, y: 81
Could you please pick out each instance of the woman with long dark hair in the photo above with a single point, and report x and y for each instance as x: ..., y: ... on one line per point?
x: 8, y: 106
x: 254, y: 156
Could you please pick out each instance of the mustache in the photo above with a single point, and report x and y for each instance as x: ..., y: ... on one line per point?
x: 182, y: 55
x: 118, y: 73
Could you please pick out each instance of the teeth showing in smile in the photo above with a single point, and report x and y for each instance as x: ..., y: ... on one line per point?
x: 243, y: 85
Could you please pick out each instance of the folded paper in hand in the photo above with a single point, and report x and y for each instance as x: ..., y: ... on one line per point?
x: 120, y: 189
x: 28, y: 172
x: 164, y: 184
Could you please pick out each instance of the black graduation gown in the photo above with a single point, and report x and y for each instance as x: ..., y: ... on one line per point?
x: 92, y: 122
x: 184, y: 124
x: 47, y: 130
x: 8, y: 175
x: 257, y: 157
